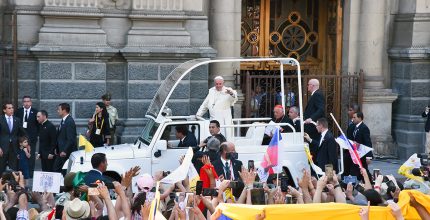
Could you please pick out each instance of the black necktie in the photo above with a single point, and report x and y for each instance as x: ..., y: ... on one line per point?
x: 26, y: 115
x: 355, y: 131
x: 61, y: 124
x: 227, y: 171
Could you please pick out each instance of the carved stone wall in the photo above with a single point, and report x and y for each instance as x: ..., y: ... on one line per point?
x: 76, y: 50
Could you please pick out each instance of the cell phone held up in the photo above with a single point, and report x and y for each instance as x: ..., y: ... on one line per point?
x: 199, y: 187
x: 284, y: 183
x: 376, y: 173
x: 251, y: 165
x: 329, y: 172
x: 350, y: 179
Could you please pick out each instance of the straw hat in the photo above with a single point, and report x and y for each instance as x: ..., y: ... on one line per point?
x: 77, y: 209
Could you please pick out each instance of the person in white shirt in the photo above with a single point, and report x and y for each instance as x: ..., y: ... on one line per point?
x: 218, y: 102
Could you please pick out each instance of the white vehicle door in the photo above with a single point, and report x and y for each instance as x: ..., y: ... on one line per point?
x: 169, y: 159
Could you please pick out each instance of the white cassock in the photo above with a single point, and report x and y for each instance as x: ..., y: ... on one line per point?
x: 219, y: 105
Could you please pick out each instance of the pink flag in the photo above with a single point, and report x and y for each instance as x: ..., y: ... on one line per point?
x: 271, y: 156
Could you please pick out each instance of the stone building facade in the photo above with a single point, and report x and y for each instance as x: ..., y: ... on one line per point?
x: 76, y: 50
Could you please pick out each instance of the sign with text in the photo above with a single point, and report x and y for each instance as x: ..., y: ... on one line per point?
x: 47, y: 182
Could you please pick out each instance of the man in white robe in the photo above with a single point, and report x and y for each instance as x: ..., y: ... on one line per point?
x: 219, y: 101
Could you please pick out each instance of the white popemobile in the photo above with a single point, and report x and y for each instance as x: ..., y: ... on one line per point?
x: 155, y: 149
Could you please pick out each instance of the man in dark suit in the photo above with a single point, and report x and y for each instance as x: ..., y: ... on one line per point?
x: 66, y: 137
x: 215, y: 131
x: 186, y: 137
x: 99, y: 164
x: 360, y: 133
x: 427, y: 128
x: 10, y: 130
x: 324, y: 148
x: 347, y: 161
x: 226, y: 165
x: 293, y: 114
x: 315, y: 108
x: 27, y: 114
x: 47, y: 141
x: 352, y: 109
x: 279, y: 117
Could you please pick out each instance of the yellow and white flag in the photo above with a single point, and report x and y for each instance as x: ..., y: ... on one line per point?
x: 316, y: 168
x: 406, y: 168
x: 84, y: 142
x: 154, y: 212
x: 193, y: 177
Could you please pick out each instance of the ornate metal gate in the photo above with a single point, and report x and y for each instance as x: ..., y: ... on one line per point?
x: 262, y: 89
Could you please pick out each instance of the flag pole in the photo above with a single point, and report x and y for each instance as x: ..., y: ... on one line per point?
x: 341, y: 151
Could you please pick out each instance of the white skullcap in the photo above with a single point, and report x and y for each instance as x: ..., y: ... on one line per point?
x: 219, y: 78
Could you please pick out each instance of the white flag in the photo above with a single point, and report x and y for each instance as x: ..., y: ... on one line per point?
x: 361, y: 149
x: 182, y: 171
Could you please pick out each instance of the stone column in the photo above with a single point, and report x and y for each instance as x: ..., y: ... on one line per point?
x: 225, y: 19
x: 410, y: 74
x: 225, y: 23
x: 377, y: 99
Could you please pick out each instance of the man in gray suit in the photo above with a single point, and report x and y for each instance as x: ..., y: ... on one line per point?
x: 66, y: 137
x: 10, y: 130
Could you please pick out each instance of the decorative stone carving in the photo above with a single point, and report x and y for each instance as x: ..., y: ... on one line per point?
x: 158, y: 5
x: 72, y: 3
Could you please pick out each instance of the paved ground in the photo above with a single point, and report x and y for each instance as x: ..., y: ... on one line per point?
x: 387, y: 166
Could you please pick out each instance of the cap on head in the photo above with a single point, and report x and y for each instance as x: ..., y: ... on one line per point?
x: 145, y: 182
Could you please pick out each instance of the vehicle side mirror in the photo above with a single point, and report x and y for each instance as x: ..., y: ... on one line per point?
x: 161, y: 145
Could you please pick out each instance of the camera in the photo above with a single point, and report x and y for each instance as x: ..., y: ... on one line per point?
x: 233, y: 185
x: 108, y: 185
x: 424, y: 159
x: 257, y: 185
x: 209, y: 192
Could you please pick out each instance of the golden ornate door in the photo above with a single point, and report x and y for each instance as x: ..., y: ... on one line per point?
x: 308, y: 30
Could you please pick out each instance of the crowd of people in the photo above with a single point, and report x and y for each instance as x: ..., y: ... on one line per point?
x: 21, y: 129
x: 98, y: 195
x: 222, y: 177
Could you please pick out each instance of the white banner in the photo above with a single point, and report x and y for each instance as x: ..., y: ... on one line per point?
x: 181, y: 172
x: 47, y: 182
